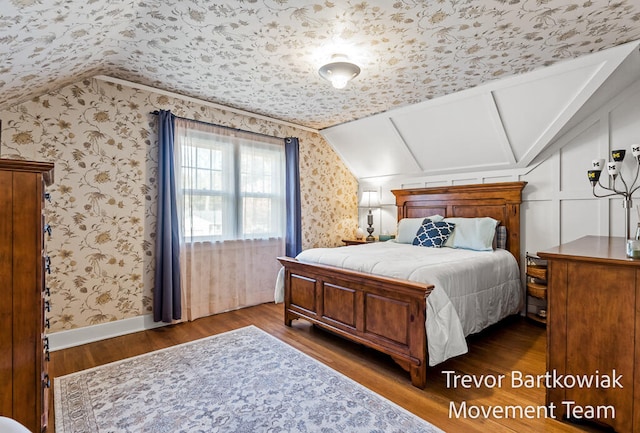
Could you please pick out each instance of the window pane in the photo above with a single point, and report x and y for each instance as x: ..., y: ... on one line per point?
x: 216, y: 181
x: 203, y: 158
x: 216, y: 159
x: 257, y: 217
x: 203, y: 179
x: 203, y: 216
x: 257, y: 171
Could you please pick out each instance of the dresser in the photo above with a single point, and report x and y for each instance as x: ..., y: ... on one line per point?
x: 24, y: 382
x: 593, y: 330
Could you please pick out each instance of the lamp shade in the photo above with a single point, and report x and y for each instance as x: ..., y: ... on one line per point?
x: 598, y: 164
x: 370, y: 199
x: 594, y: 176
x: 618, y: 155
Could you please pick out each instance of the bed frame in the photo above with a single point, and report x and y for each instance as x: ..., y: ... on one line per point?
x: 388, y: 314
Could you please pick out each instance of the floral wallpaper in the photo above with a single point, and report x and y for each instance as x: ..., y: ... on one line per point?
x: 263, y: 55
x: 102, y: 139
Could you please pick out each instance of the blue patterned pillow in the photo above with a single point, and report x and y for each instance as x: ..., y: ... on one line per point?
x: 433, y: 234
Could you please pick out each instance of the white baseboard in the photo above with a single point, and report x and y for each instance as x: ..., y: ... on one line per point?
x: 75, y: 337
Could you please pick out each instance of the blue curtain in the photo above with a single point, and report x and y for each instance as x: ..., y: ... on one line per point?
x: 166, y: 294
x: 293, y: 238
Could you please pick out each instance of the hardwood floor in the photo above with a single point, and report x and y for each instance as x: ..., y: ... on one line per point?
x: 513, y: 345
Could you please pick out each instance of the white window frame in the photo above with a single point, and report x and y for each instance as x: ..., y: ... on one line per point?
x: 233, y: 148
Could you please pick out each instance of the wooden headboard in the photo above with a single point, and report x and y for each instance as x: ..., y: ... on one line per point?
x: 500, y: 201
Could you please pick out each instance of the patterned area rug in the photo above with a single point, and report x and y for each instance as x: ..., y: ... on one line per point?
x: 241, y: 381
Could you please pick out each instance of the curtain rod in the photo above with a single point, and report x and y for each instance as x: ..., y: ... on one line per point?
x: 156, y: 112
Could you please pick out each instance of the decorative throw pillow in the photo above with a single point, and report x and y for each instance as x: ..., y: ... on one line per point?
x: 408, y: 227
x: 500, y: 238
x: 433, y: 234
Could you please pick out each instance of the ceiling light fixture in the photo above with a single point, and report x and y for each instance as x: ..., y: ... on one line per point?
x: 340, y: 71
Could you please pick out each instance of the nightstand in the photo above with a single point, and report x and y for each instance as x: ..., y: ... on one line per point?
x: 354, y: 241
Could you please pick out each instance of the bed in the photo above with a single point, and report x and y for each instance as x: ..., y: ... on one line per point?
x: 388, y: 311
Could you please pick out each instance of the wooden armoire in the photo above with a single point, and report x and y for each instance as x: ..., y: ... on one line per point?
x: 24, y: 381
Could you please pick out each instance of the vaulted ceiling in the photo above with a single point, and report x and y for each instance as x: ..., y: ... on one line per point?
x: 263, y: 55
x: 492, y: 82
x: 503, y: 124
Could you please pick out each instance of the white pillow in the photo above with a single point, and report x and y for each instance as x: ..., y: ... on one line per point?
x: 472, y: 233
x: 408, y: 227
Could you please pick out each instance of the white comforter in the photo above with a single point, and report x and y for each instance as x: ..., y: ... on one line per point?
x: 473, y: 289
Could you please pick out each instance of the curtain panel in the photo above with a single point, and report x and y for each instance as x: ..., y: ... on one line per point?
x: 231, y: 206
x: 294, y: 213
x: 224, y: 276
x: 167, y: 293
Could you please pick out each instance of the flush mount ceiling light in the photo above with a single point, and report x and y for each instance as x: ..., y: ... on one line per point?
x: 340, y: 71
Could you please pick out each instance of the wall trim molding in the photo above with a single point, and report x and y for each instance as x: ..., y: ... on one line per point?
x: 89, y: 334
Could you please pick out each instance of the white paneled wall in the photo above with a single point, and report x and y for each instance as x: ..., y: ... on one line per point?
x: 558, y: 203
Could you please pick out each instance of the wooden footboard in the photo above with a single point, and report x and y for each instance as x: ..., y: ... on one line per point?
x: 385, y: 314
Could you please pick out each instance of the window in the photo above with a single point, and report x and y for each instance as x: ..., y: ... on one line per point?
x: 232, y: 183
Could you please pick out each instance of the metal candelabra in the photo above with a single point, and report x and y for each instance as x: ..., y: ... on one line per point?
x: 614, y: 170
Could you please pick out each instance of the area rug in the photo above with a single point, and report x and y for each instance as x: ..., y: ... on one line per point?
x: 240, y: 381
